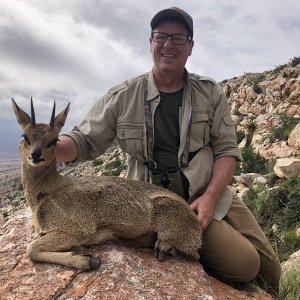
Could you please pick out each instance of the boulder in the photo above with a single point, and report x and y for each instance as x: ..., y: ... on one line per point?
x: 292, y: 264
x: 294, y: 137
x: 287, y: 167
x: 250, y: 179
x: 126, y: 273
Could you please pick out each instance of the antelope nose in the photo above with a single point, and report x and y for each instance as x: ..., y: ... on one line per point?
x: 36, y: 153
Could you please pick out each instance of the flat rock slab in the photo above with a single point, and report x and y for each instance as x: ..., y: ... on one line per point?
x: 125, y: 273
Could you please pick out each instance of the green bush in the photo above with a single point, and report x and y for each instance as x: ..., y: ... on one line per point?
x: 283, y: 131
x: 294, y: 61
x: 278, y: 68
x: 97, y: 162
x: 257, y: 88
x: 290, y: 244
x: 240, y: 135
x: 252, y: 162
x: 278, y: 206
x: 251, y: 125
x: 255, y: 83
x: 114, y: 168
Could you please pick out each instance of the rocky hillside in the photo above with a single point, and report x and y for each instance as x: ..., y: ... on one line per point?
x: 266, y: 109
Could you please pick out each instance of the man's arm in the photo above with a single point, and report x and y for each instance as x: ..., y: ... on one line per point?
x: 66, y: 149
x: 205, y: 205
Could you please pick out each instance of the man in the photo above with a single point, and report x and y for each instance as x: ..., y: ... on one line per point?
x: 177, y: 126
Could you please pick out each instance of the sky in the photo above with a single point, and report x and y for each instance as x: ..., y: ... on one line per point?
x: 76, y: 50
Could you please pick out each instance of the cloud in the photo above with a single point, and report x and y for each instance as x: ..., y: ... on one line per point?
x: 76, y: 50
x: 48, y: 54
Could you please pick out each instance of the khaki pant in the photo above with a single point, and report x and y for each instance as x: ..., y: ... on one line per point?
x: 235, y: 249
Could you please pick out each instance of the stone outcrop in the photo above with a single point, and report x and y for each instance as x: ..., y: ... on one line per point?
x: 125, y: 273
x: 294, y: 138
x: 293, y: 263
x: 287, y: 167
x: 263, y: 99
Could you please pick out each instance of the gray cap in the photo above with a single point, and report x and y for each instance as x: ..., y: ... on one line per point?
x: 173, y: 12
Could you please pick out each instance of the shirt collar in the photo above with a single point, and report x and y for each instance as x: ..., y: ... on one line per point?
x: 153, y: 92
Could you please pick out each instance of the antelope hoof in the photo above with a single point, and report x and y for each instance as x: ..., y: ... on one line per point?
x: 94, y: 263
x: 161, y: 250
x: 78, y: 250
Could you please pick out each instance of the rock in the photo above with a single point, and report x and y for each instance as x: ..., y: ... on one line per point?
x: 280, y: 96
x: 276, y: 150
x: 251, y: 178
x: 125, y: 273
x: 287, y: 167
x: 293, y: 263
x: 294, y: 138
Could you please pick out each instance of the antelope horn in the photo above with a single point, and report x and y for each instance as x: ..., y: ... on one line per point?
x: 52, y: 117
x: 32, y: 114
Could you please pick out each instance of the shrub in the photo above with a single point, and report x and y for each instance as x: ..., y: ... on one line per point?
x: 97, y: 162
x: 255, y: 83
x: 240, y: 135
x: 20, y: 187
x: 294, y: 61
x: 257, y: 88
x: 283, y: 131
x: 251, y: 125
x: 278, y: 206
x: 252, y: 162
x: 291, y: 244
x: 114, y: 168
x: 278, y: 68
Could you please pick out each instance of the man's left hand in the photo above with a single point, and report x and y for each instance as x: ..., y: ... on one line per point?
x: 204, y: 208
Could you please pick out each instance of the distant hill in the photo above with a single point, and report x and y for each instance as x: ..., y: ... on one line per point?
x: 10, y: 133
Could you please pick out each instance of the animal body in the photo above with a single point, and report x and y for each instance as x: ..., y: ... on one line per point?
x: 69, y: 212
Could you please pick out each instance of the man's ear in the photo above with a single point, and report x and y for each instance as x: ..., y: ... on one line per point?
x: 150, y: 44
x: 191, y: 47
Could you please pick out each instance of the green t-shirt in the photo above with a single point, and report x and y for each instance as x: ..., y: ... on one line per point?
x: 166, y: 130
x: 167, y: 140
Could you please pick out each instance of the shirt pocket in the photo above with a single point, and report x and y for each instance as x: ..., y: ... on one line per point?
x: 200, y: 131
x: 131, y: 141
x: 227, y: 128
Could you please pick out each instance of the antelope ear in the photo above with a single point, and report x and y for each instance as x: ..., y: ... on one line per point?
x: 22, y: 117
x: 60, y: 119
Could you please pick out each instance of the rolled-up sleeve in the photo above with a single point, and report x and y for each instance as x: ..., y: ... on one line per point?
x: 223, y: 136
x: 97, y: 131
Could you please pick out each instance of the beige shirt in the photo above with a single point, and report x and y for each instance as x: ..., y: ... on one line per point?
x: 120, y: 114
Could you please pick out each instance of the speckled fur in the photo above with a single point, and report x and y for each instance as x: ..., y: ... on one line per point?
x: 69, y: 212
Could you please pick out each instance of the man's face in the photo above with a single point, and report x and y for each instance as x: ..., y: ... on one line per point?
x: 169, y: 57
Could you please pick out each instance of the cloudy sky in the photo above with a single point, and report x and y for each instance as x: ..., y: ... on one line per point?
x: 75, y: 50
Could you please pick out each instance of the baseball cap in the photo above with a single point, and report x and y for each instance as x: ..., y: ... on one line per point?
x: 173, y: 12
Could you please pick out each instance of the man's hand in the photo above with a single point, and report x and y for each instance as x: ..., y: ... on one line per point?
x: 204, y: 208
x: 205, y: 205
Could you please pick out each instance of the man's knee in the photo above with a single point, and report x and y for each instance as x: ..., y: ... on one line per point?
x: 228, y: 255
x: 247, y: 267
x: 237, y: 271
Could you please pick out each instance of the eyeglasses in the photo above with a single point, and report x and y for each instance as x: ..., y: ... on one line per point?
x: 177, y: 39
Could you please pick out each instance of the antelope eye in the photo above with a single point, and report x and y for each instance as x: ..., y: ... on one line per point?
x: 26, y: 139
x: 52, y: 143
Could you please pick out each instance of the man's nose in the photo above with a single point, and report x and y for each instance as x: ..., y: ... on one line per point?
x: 169, y: 41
